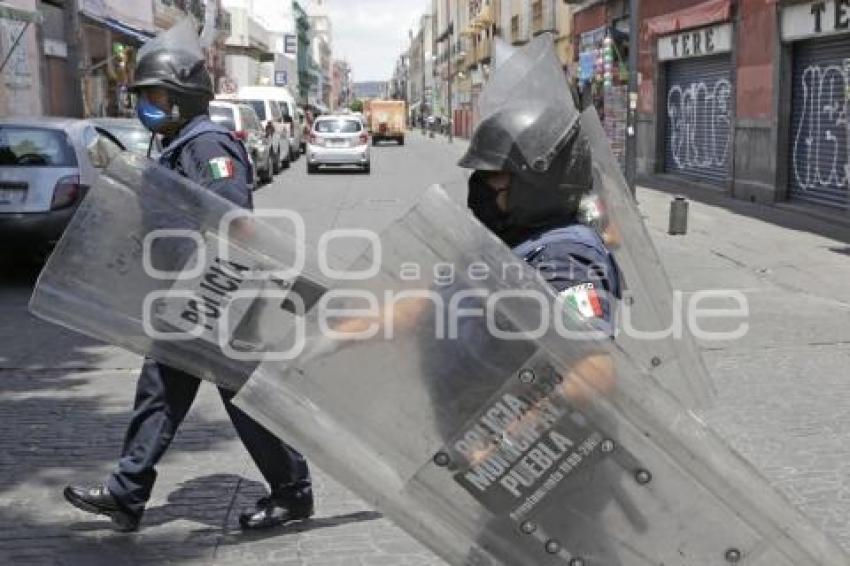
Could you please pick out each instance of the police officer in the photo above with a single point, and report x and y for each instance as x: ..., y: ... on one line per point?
x: 174, y: 89
x: 536, y: 212
x: 532, y: 175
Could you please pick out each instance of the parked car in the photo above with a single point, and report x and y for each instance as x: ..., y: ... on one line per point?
x: 46, y: 167
x: 132, y: 135
x: 303, y: 127
x: 338, y: 140
x: 243, y: 122
x: 288, y: 109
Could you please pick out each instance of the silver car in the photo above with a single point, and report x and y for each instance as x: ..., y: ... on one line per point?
x: 338, y: 140
x: 46, y: 167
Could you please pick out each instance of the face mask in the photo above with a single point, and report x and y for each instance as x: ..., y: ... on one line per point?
x: 152, y: 117
x: 482, y: 202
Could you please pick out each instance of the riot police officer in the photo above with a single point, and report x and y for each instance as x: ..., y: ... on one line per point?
x: 174, y: 89
x: 536, y: 210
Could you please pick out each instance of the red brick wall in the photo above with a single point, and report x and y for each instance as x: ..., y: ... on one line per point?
x: 755, y: 39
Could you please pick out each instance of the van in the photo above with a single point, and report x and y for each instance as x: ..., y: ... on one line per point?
x: 271, y: 118
x: 288, y: 107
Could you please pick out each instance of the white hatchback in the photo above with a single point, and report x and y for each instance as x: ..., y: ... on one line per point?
x: 338, y: 140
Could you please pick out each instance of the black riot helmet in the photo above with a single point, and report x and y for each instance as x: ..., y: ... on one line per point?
x: 174, y: 61
x: 530, y: 128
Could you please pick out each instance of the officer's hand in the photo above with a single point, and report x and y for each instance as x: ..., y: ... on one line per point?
x: 589, y: 377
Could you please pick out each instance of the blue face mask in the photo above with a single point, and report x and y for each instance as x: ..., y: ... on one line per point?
x: 151, y: 116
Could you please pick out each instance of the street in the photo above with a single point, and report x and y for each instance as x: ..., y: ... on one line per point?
x: 783, y: 393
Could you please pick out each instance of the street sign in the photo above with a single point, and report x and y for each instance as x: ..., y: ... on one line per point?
x: 280, y: 78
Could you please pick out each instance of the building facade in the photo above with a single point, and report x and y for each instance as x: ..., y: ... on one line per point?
x: 341, y: 89
x: 321, y: 33
x: 21, y: 89
x: 279, y: 67
x: 748, y: 98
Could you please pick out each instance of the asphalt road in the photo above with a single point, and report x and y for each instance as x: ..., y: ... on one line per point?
x: 783, y: 392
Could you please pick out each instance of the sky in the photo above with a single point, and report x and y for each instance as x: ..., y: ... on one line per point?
x: 371, y: 34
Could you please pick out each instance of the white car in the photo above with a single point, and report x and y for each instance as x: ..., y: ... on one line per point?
x: 46, y: 167
x: 338, y: 140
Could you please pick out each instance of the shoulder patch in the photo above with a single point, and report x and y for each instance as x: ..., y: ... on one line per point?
x: 584, y: 299
x: 221, y: 168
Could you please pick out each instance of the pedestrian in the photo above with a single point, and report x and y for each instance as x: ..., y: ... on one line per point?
x: 174, y: 89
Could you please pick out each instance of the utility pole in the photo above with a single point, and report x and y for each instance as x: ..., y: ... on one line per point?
x: 631, y: 115
x: 451, y: 32
x: 74, y: 73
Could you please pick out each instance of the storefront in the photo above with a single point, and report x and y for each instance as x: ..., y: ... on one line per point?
x: 602, y: 68
x: 697, y: 105
x: 110, y: 54
x: 817, y: 37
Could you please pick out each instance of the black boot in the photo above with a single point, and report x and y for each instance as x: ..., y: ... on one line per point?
x: 278, y: 509
x: 98, y: 500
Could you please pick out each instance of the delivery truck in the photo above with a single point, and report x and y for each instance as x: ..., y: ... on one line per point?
x: 387, y: 120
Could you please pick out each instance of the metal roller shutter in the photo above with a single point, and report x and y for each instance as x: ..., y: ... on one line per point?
x: 819, y: 148
x: 699, y: 112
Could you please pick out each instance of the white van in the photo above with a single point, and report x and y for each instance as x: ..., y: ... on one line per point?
x: 288, y: 107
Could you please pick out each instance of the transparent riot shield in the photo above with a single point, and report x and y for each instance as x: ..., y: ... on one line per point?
x: 652, y: 322
x: 163, y: 267
x: 529, y: 93
x: 452, y: 389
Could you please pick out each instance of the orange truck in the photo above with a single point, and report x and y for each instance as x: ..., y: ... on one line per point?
x: 387, y: 120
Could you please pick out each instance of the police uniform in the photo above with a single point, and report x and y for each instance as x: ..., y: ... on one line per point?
x: 207, y: 154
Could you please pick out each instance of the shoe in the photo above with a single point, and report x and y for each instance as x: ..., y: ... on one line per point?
x: 273, y: 512
x: 99, y: 501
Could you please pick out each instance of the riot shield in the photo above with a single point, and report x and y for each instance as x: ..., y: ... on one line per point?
x: 163, y: 267
x: 652, y: 321
x: 455, y: 392
x: 538, y: 118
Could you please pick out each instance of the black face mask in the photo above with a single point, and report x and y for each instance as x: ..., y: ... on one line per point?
x: 481, y: 200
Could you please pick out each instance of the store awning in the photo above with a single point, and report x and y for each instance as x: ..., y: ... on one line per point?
x: 18, y: 14
x: 707, y: 13
x: 139, y: 35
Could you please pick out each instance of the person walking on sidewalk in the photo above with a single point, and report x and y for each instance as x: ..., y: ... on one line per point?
x: 174, y: 90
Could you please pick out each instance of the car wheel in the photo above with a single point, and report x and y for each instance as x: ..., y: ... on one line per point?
x: 367, y: 168
x: 401, y: 141
x: 275, y: 163
x: 266, y: 173
x: 312, y: 169
x: 293, y: 155
x: 286, y: 161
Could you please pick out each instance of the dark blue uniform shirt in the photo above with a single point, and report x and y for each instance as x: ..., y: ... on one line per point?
x: 208, y: 154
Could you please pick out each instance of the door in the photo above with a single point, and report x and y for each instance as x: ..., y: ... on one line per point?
x: 819, y: 160
x: 698, y: 119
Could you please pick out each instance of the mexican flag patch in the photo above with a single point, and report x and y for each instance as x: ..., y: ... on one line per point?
x: 584, y: 299
x: 221, y: 168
